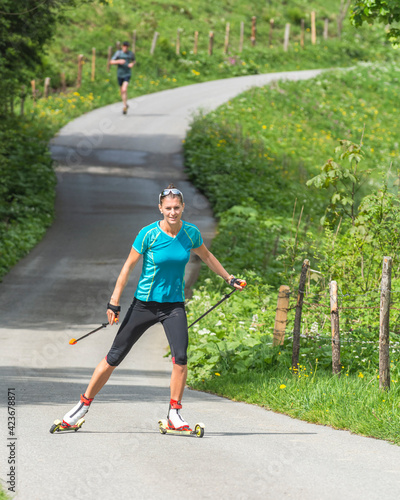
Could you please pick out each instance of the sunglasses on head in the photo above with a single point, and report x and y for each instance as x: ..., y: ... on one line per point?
x: 166, y: 192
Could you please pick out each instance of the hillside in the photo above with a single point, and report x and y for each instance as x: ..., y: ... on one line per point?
x: 102, y: 25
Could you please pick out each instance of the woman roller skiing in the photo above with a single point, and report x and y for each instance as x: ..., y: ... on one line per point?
x: 165, y: 246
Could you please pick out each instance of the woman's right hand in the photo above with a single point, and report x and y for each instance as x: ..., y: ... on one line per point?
x: 113, y: 311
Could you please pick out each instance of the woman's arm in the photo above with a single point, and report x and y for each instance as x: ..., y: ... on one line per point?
x: 215, y: 265
x: 122, y: 280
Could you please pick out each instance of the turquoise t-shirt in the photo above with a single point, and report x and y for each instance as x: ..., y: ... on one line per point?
x: 164, y: 261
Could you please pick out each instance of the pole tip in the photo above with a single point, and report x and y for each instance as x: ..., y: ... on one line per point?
x: 73, y: 341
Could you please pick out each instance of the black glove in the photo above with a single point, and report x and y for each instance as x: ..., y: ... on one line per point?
x: 237, y: 281
x: 114, y: 309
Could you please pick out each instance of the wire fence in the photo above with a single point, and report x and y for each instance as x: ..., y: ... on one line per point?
x: 326, y: 309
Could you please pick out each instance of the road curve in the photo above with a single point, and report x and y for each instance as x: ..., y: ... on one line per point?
x: 110, y: 170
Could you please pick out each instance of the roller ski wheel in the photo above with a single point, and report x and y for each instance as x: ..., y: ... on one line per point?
x: 59, y: 427
x: 198, y: 430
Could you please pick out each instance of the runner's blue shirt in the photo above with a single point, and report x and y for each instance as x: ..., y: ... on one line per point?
x: 164, y: 261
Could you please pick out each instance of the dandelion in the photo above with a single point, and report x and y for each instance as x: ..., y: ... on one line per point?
x: 217, y: 374
x: 282, y: 386
x: 360, y: 375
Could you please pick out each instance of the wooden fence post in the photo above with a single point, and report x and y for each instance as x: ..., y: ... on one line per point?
x: 109, y: 55
x: 118, y: 45
x: 79, y: 78
x: 154, y: 42
x: 313, y: 29
x: 286, y: 40
x: 302, y: 31
x: 253, y: 30
x: 226, y: 44
x: 241, y: 36
x: 271, y: 31
x: 178, y: 42
x: 384, y: 363
x: 281, y: 315
x: 326, y: 28
x: 46, y: 87
x: 297, y: 318
x: 93, y: 64
x: 33, y: 86
x: 196, y: 42
x: 211, y: 43
x: 63, y: 84
x: 333, y: 293
x: 134, y: 41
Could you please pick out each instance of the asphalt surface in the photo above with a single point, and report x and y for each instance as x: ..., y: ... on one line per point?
x: 110, y: 170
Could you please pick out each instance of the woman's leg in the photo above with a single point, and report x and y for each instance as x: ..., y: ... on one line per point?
x: 175, y: 326
x: 135, y: 323
x: 100, y: 376
x: 178, y: 381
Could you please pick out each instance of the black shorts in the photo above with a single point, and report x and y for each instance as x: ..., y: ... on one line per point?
x: 123, y: 79
x: 143, y: 315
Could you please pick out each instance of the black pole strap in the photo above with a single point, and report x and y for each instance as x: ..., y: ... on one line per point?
x: 213, y: 307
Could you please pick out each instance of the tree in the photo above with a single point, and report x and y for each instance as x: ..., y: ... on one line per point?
x: 382, y: 11
x: 344, y: 7
x: 25, y: 27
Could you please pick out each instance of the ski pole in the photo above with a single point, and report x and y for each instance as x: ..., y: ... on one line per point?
x: 74, y: 341
x: 213, y: 307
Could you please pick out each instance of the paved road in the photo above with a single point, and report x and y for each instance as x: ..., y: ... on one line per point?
x: 110, y: 169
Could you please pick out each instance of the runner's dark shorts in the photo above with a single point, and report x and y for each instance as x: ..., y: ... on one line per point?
x: 143, y: 315
x: 123, y: 79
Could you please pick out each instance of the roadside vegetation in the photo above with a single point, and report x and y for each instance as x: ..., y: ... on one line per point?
x: 316, y: 176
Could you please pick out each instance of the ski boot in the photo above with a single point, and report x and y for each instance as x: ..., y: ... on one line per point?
x: 176, y: 424
x: 73, y: 420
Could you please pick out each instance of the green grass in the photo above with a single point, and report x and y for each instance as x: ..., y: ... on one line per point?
x: 293, y: 128
x: 351, y: 402
x: 3, y: 494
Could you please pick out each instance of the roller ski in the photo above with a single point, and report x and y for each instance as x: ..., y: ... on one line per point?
x: 73, y: 420
x: 59, y: 426
x: 176, y: 424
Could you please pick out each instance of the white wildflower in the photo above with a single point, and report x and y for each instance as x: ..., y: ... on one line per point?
x: 204, y: 331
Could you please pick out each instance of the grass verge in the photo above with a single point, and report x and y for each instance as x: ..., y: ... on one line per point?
x: 349, y: 402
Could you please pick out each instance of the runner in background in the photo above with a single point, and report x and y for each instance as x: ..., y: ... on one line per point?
x: 125, y: 59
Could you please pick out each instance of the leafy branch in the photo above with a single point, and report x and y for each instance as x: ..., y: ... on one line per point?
x: 346, y: 181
